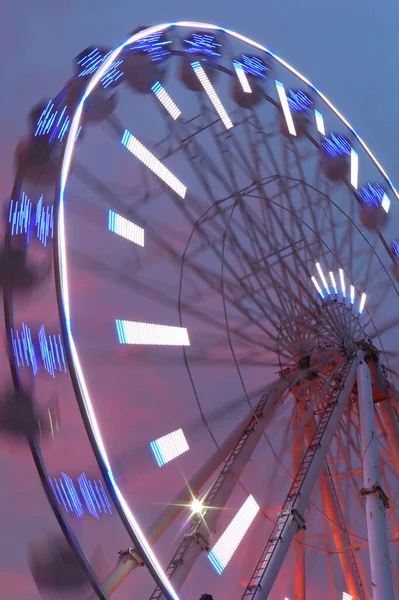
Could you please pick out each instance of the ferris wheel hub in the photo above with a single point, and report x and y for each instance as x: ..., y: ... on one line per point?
x: 318, y: 344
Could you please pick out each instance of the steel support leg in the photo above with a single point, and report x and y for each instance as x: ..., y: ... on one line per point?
x: 197, y: 539
x: 127, y: 562
x: 291, y: 518
x: 376, y: 501
x: 391, y: 428
x: 298, y: 451
x: 341, y: 538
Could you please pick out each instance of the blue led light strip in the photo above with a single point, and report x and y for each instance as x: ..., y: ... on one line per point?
x: 47, y: 352
x: 53, y: 123
x: 157, y: 453
x: 216, y: 562
x: 204, y: 44
x: 336, y: 145
x: 52, y: 352
x: 86, y: 497
x: 299, y: 101
x: 90, y: 62
x: 25, y: 218
x: 113, y: 75
x: 19, y: 216
x: 253, y: 66
x: 373, y: 194
x: 156, y: 45
x: 23, y: 348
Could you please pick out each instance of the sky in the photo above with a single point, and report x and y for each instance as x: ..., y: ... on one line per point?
x: 349, y: 49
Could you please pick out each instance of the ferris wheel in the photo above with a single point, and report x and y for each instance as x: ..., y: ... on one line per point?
x: 198, y: 240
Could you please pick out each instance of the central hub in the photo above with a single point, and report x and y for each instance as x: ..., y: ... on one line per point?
x: 319, y: 344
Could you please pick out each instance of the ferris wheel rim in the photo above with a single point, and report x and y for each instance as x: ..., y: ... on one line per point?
x: 71, y: 140
x: 34, y: 443
x: 60, y: 237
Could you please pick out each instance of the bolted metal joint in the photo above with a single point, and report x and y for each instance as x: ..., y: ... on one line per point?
x: 370, y: 351
x: 203, y: 542
x: 376, y: 489
x: 298, y: 518
x: 131, y: 554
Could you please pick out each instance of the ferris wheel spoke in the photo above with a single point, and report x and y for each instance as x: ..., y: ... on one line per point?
x: 336, y: 226
x: 302, y: 289
x: 241, y: 256
x: 305, y: 190
x: 105, y: 191
x: 379, y: 297
x: 122, y: 461
x: 250, y: 359
x: 287, y: 307
x: 190, y: 142
x: 258, y: 163
x: 334, y: 327
x: 284, y: 181
x: 259, y: 253
x: 387, y: 326
x: 230, y: 268
x: 298, y: 261
x: 234, y: 164
x: 339, y: 322
x: 239, y: 306
x: 276, y: 225
x: 333, y: 223
x: 343, y: 247
x: 350, y: 237
x: 203, y: 167
x: 148, y: 290
x: 207, y: 276
x: 256, y: 137
x: 323, y: 218
x: 369, y: 264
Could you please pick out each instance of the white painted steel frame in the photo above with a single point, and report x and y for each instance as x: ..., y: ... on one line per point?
x: 341, y: 539
x: 298, y: 450
x: 127, y: 564
x: 222, y: 489
x: 380, y: 562
x: 301, y: 502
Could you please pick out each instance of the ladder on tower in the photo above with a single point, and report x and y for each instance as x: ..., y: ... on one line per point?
x: 342, y: 524
x: 288, y: 510
x: 193, y: 534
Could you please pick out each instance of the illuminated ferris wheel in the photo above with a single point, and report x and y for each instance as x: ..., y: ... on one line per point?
x: 239, y: 234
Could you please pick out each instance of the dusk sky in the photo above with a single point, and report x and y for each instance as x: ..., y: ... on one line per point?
x: 350, y: 50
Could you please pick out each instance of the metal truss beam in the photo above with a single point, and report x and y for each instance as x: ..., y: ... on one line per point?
x: 197, y: 539
x: 375, y: 498
x: 291, y: 517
